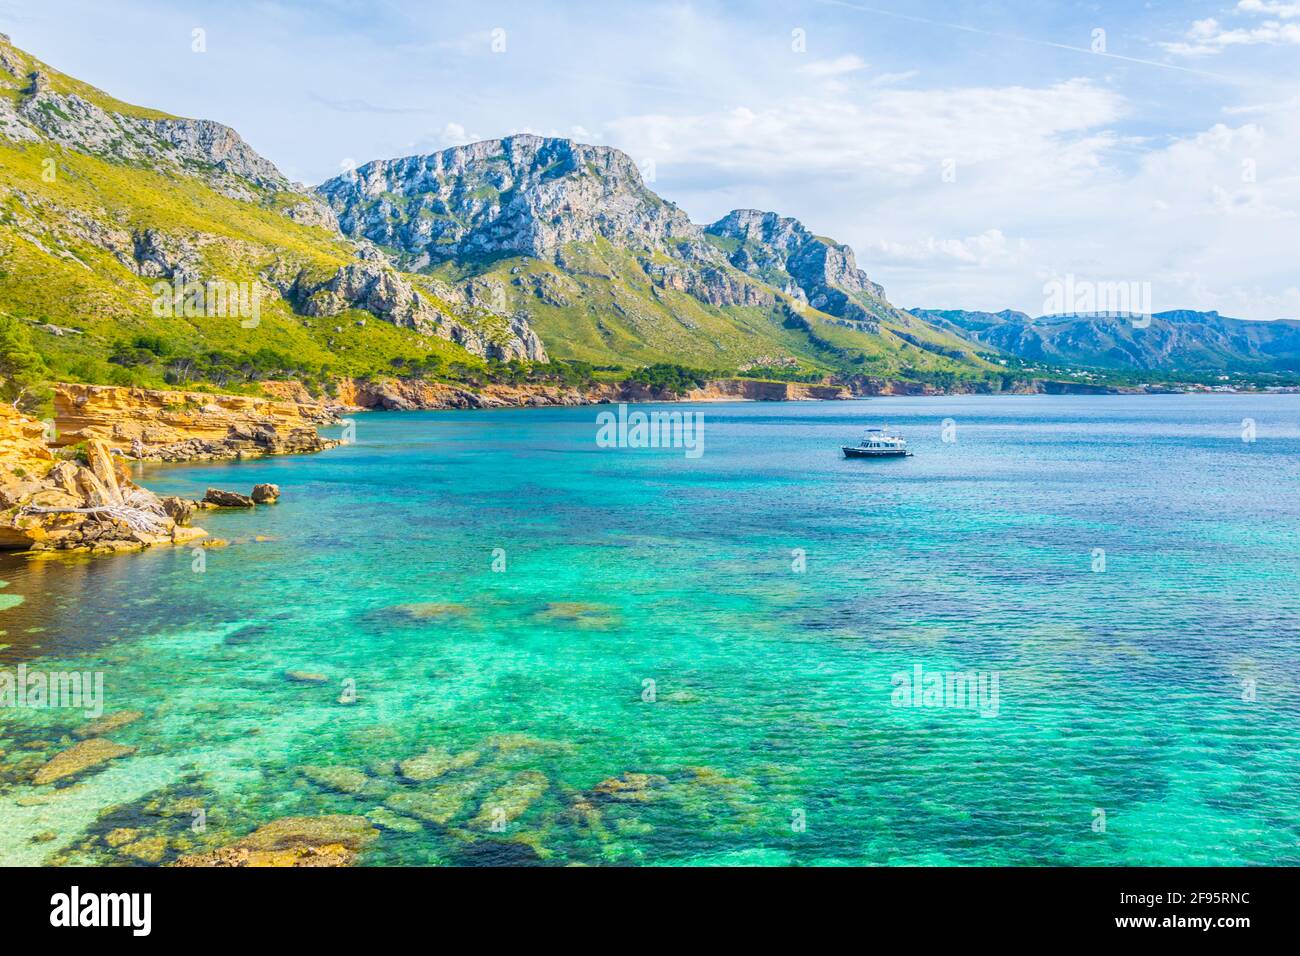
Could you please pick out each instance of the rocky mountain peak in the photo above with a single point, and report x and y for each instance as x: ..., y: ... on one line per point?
x: 785, y: 253
x: 50, y: 106
x: 521, y: 195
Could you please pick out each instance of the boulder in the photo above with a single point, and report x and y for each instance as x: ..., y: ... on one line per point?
x: 340, y: 779
x: 178, y: 509
x: 227, y: 499
x: 440, y: 805
x: 266, y: 494
x: 100, y: 462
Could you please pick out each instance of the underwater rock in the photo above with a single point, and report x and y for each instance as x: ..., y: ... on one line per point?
x: 341, y: 779
x: 386, y: 819
x: 638, y: 787
x: 107, y: 724
x: 306, y: 677
x: 80, y: 757
x: 121, y: 836
x: 148, y: 850
x: 422, y: 612
x: 434, y: 762
x: 439, y: 805
x: 511, y: 800
x: 331, y: 840
x: 581, y: 614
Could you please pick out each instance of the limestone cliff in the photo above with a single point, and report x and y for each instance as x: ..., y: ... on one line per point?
x: 522, y: 195
x: 186, y: 426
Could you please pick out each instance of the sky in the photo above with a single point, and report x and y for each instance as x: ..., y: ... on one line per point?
x: 973, y: 154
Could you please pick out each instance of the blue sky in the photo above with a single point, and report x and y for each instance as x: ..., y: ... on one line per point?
x: 969, y: 152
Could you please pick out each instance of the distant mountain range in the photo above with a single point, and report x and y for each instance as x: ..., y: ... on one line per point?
x: 520, y: 248
x: 568, y: 238
x: 1179, y: 340
x: 523, y: 248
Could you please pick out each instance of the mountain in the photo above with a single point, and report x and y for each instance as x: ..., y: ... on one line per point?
x: 568, y: 239
x: 1176, y: 340
x: 117, y: 223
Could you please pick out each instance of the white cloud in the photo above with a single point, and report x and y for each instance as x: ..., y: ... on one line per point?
x: 902, y: 134
x: 988, y: 248
x: 836, y: 67
x: 1209, y: 36
x: 1274, y: 9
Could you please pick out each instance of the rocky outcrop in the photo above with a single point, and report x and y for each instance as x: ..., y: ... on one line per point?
x: 50, y: 107
x: 200, y: 148
x: 188, y: 426
x: 408, y: 394
x: 227, y: 499
x: 522, y: 195
x: 266, y: 494
x: 23, y: 449
x: 808, y: 268
x: 91, y: 505
x: 411, y: 394
x: 710, y: 284
x: 372, y: 284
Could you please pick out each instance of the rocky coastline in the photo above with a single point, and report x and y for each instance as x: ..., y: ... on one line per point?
x: 66, y: 496
x: 67, y: 487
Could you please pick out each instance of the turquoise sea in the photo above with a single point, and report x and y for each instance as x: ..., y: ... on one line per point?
x: 496, y: 586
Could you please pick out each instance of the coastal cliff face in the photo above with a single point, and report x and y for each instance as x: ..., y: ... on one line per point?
x: 185, y: 426
x: 753, y: 390
x: 402, y: 394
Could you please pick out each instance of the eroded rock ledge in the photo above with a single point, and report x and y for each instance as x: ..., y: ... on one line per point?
x: 89, y: 505
x: 188, y: 426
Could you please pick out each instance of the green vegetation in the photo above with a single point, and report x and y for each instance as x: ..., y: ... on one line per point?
x: 22, y: 371
x: 670, y: 378
x: 80, y: 303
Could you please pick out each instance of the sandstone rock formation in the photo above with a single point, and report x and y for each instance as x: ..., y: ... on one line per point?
x: 188, y: 426
x: 227, y: 499
x: 266, y: 494
x: 90, y: 506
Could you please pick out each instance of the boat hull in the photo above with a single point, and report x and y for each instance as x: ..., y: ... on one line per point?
x: 852, y: 452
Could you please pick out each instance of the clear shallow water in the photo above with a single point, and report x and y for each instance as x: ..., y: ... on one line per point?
x: 1120, y: 691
